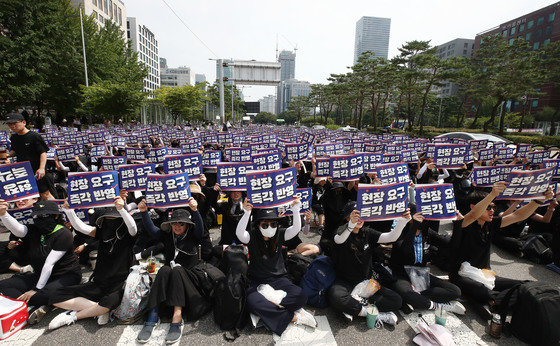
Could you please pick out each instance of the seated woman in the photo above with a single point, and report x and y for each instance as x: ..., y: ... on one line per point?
x: 353, y: 253
x: 271, y: 296
x: 115, y: 229
x: 176, y: 283
x: 296, y: 245
x: 408, y: 250
x: 51, y: 254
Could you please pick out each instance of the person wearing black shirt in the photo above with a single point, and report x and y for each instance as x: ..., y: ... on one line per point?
x: 115, y: 230
x: 472, y: 238
x: 354, y: 248
x: 176, y: 284
x: 30, y: 146
x: 408, y: 250
x: 231, y: 211
x: 50, y: 252
x: 271, y: 296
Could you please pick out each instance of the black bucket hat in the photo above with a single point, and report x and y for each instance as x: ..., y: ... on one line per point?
x: 266, y: 214
x: 348, y: 209
x: 337, y: 184
x: 179, y: 215
x: 45, y: 208
x: 110, y: 213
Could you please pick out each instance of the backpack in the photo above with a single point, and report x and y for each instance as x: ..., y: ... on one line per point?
x: 296, y: 266
x: 317, y: 280
x: 135, y: 296
x: 230, y: 299
x: 536, y: 249
x: 535, y: 309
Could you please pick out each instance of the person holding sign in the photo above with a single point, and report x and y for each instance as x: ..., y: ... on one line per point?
x: 353, y: 258
x: 115, y: 229
x: 174, y: 286
x: 271, y: 295
x: 471, y: 242
x: 51, y: 254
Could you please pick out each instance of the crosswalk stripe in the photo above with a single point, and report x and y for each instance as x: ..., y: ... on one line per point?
x: 24, y: 337
x: 130, y: 333
x: 307, y: 336
x: 462, y: 334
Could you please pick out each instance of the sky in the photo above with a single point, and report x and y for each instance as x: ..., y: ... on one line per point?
x: 322, y: 30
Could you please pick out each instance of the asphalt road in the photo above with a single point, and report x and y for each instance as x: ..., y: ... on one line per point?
x: 470, y: 328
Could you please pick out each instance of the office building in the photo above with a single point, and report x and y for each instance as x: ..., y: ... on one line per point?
x: 162, y: 63
x: 291, y: 88
x: 176, y: 77
x: 199, y: 78
x: 104, y: 11
x: 268, y: 104
x: 287, y: 60
x: 144, y: 42
x: 539, y: 28
x: 372, y: 34
x: 459, y: 47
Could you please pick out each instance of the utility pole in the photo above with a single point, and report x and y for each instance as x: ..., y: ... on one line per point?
x: 439, y: 115
x: 221, y: 79
x: 84, y: 48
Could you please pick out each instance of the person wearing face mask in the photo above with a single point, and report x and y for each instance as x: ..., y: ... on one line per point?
x: 271, y: 295
x: 50, y: 252
x: 115, y: 230
x: 177, y: 283
x: 231, y: 211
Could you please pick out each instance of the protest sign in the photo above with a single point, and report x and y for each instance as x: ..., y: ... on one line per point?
x: 436, y: 201
x: 450, y: 156
x: 322, y: 167
x: 119, y: 142
x: 358, y: 145
x: 371, y: 160
x: 305, y: 199
x: 537, y: 157
x: 78, y: 149
x: 479, y: 144
x: 22, y: 216
x: 92, y: 189
x: 190, y: 163
x: 225, y: 138
x: 392, y: 158
x: 174, y: 151
x: 17, y: 182
x: 134, y: 177
x: 297, y: 151
x: 211, y: 158
x: 238, y: 154
x: 135, y: 154
x: 231, y: 176
x: 112, y: 163
x: 553, y: 163
x: 346, y: 167
x: 307, y: 137
x: 329, y: 149
x: 374, y: 148
x: 51, y: 154
x: 486, y: 154
x: 505, y: 170
x: 410, y: 156
x: 485, y: 176
x: 382, y: 202
x: 393, y: 173
x: 392, y: 149
x: 267, y: 162
x: 168, y: 191
x: 65, y: 154
x: 191, y: 145
x: 526, y: 185
x: 98, y: 150
x: 504, y: 153
x: 523, y: 150
x: 271, y: 188
x: 157, y: 155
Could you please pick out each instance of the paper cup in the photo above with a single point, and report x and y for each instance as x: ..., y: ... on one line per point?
x: 441, y: 317
x: 371, y: 317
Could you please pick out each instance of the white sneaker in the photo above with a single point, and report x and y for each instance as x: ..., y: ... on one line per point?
x: 348, y: 317
x: 305, y: 318
x: 452, y: 306
x: 64, y: 319
x: 254, y: 319
x: 387, y: 317
x: 275, y: 296
x: 103, y: 319
x: 26, y: 269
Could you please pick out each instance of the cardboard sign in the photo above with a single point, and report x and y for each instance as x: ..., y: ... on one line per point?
x: 189, y: 163
x: 168, y: 191
x: 17, y: 182
x: 450, y: 156
x: 347, y: 167
x: 211, y: 158
x: 135, y: 177
x: 92, y: 189
x: 382, y: 202
x: 436, y: 201
x: 526, y: 185
x: 112, y: 163
x: 393, y: 173
x: 232, y: 176
x: 272, y: 188
x: 267, y: 162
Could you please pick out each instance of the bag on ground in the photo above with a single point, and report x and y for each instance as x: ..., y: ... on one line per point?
x: 13, y: 316
x: 135, y: 296
x: 317, y: 280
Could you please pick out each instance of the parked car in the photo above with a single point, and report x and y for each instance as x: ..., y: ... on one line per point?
x: 318, y: 127
x: 348, y: 128
x: 476, y: 136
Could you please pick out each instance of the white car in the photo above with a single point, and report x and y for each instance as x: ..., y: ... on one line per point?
x: 477, y: 136
x: 348, y: 128
x: 318, y: 127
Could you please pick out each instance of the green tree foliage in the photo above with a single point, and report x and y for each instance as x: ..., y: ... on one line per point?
x: 289, y: 117
x: 186, y: 102
x: 299, y: 105
x: 112, y: 99
x: 214, y: 98
x: 265, y: 118
x: 550, y: 63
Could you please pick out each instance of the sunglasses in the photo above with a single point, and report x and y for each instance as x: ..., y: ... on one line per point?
x: 272, y: 224
x: 491, y: 207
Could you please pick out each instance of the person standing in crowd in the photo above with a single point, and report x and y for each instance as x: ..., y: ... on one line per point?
x: 271, y: 295
x: 30, y: 146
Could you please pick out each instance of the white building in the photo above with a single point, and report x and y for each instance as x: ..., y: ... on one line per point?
x: 199, y: 78
x: 292, y: 88
x: 268, y: 104
x: 459, y: 47
x: 176, y: 77
x: 103, y: 11
x: 372, y: 34
x: 144, y: 42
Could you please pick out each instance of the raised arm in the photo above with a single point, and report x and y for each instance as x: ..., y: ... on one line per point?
x: 353, y: 224
x: 197, y: 219
x: 481, y: 206
x: 527, y: 210
x: 548, y: 215
x: 128, y: 220
x: 78, y: 224
x: 395, y: 232
x: 149, y: 226
x: 241, y: 230
x: 294, y: 229
x: 17, y: 229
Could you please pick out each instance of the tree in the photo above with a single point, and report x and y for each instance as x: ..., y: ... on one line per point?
x: 264, y: 118
x: 113, y: 99
x: 321, y: 96
x: 550, y: 64
x: 299, y: 105
x: 214, y: 97
x: 186, y: 102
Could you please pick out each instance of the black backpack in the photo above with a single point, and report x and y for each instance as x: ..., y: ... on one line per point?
x: 535, y: 309
x: 230, y: 309
x: 296, y: 266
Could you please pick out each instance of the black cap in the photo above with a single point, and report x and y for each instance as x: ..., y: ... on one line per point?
x: 178, y: 215
x: 13, y: 118
x: 45, y: 208
x: 348, y: 209
x: 337, y: 184
x: 266, y: 214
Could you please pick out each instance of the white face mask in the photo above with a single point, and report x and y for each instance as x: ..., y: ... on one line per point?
x: 268, y: 232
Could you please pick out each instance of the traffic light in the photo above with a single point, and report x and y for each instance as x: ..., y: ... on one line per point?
x: 226, y: 79
x: 225, y: 64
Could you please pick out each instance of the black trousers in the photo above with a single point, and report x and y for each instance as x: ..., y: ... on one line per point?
x: 174, y: 287
x: 340, y: 299
x: 276, y: 318
x: 440, y: 291
x: 511, y: 244
x: 21, y: 283
x: 477, y: 291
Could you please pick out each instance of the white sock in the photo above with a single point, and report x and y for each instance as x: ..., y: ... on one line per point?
x: 363, y: 312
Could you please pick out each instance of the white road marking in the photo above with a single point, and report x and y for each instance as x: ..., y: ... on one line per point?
x: 24, y: 337
x: 462, y: 334
x: 130, y: 333
x: 306, y: 336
